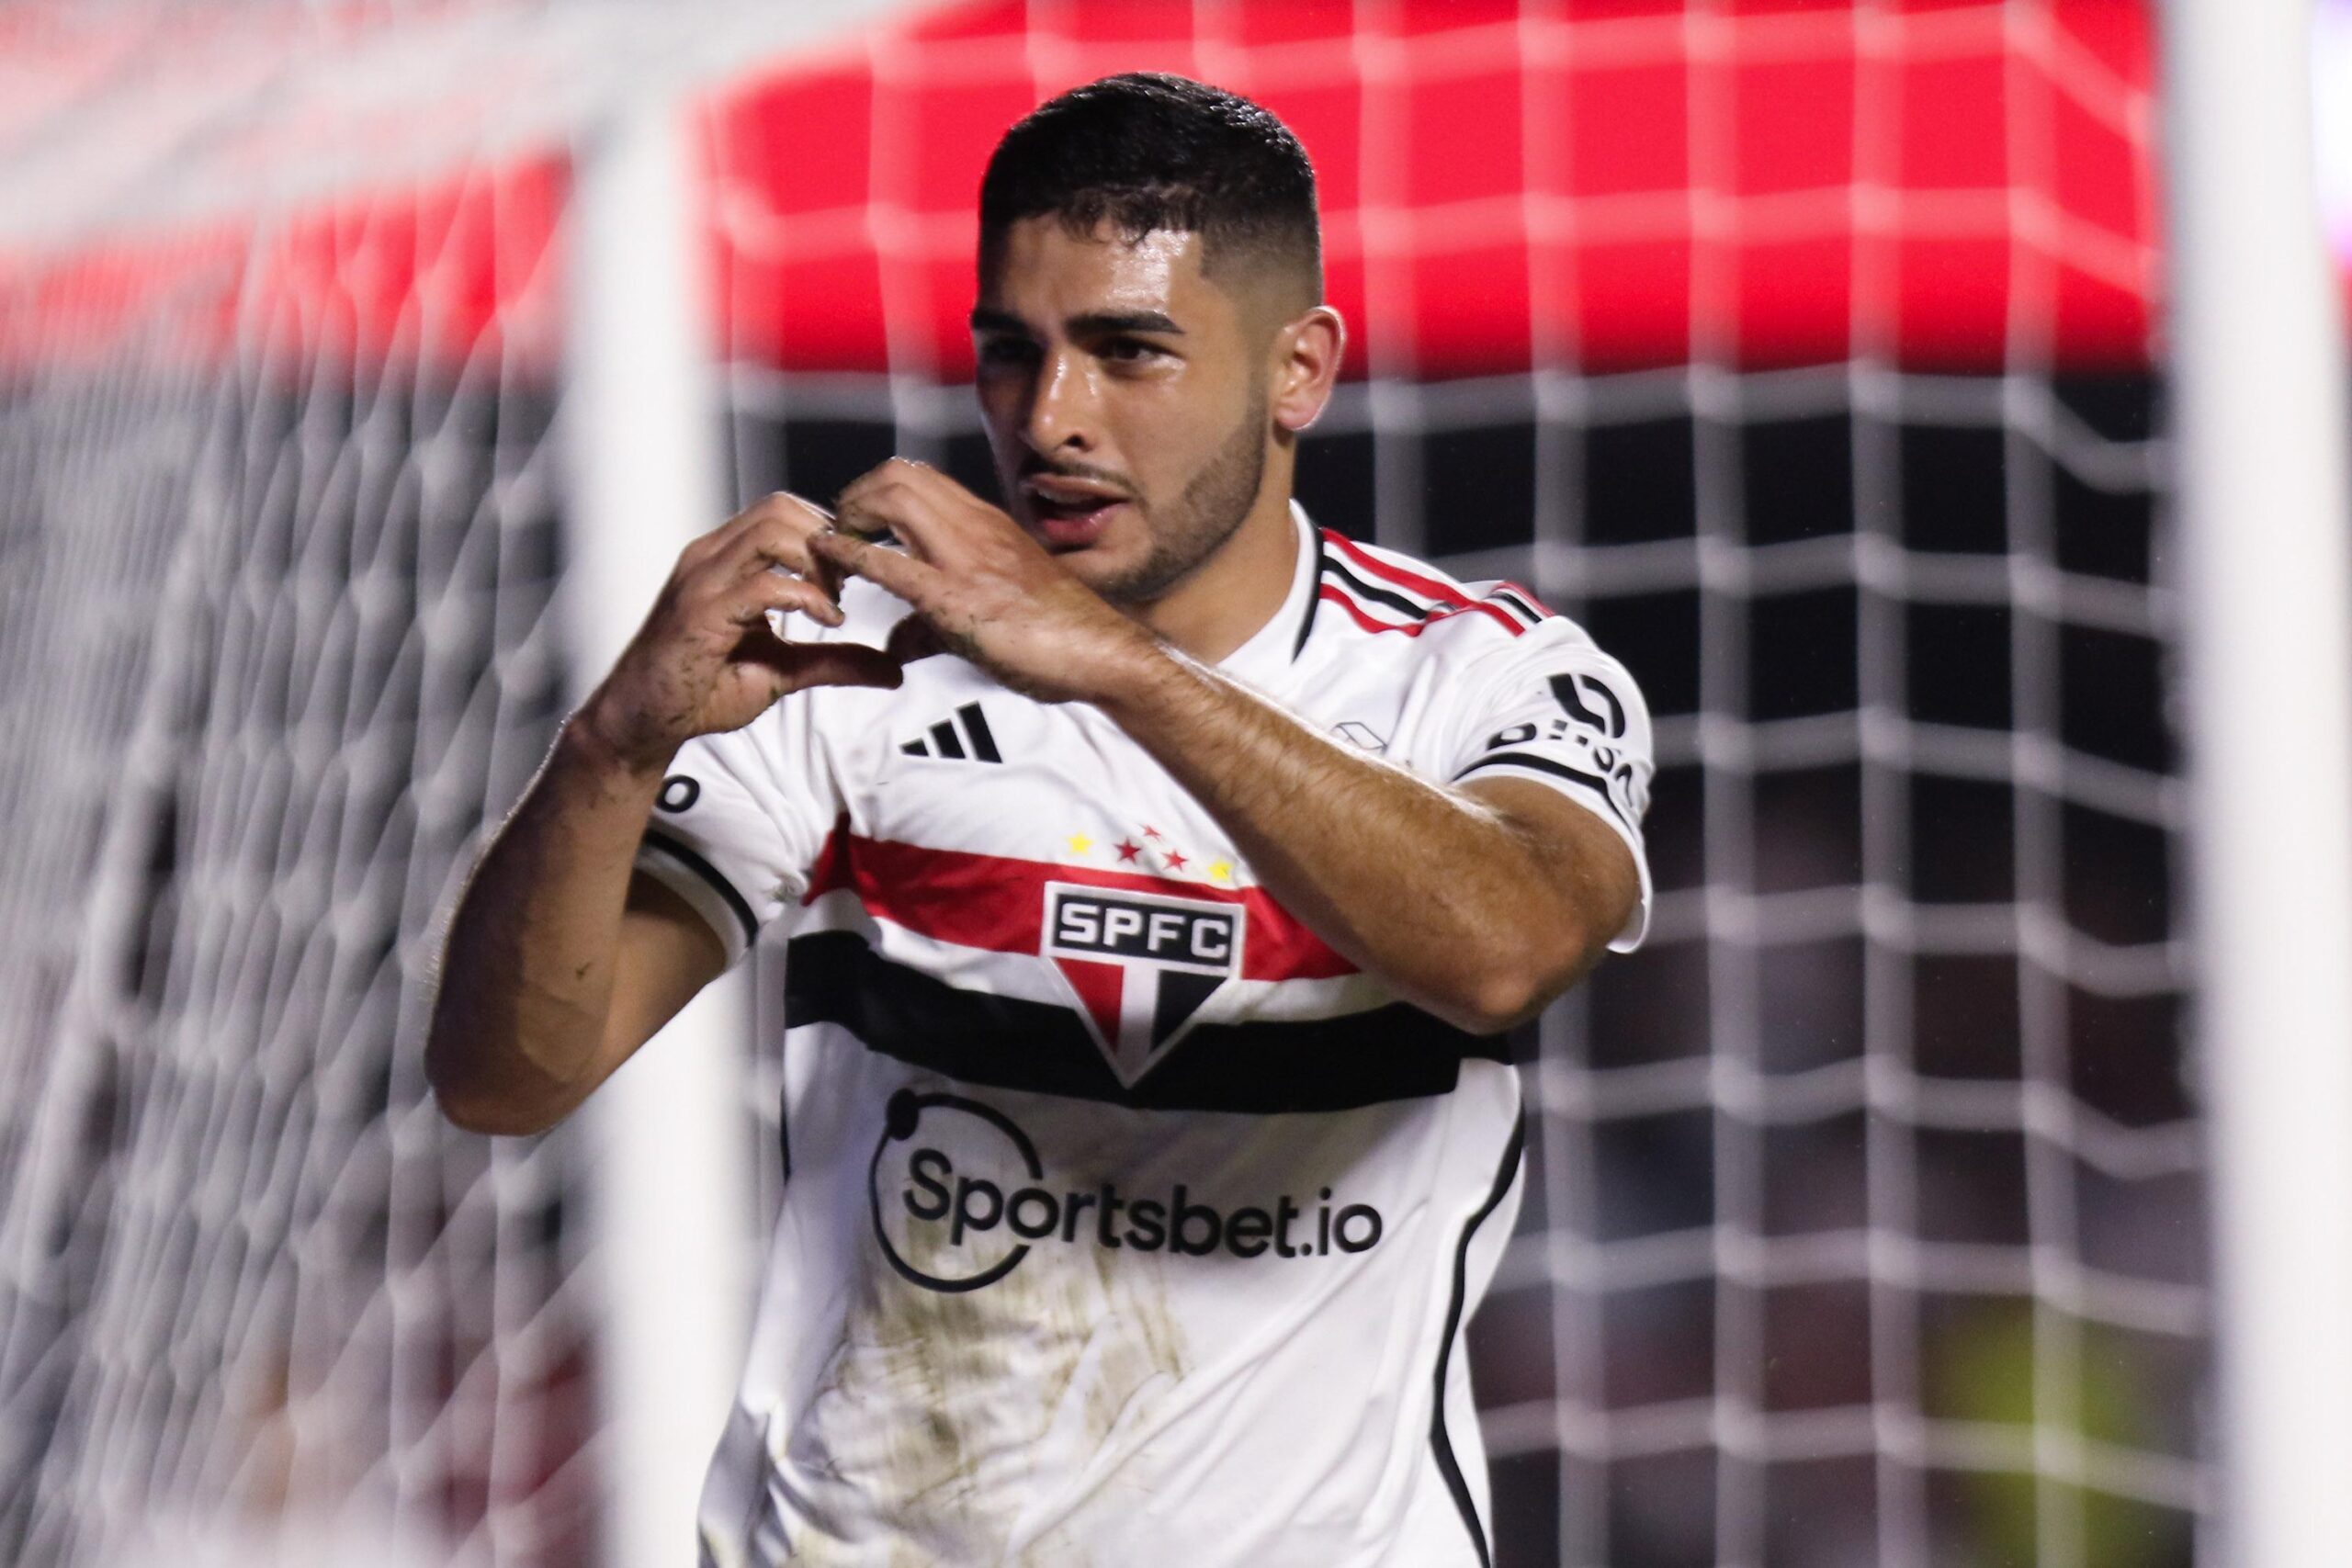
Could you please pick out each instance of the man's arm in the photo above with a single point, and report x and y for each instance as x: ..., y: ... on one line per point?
x: 561, y: 962
x: 1479, y: 903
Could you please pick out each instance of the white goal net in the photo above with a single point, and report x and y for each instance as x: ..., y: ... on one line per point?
x: 278, y: 646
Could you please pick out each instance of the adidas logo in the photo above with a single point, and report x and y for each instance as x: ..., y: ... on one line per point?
x: 962, y: 738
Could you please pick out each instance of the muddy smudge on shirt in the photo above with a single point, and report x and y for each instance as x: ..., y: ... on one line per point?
x: 946, y: 1413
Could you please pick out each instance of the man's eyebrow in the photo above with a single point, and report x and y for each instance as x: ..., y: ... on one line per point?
x: 987, y: 320
x: 1095, y: 321
x: 1092, y: 322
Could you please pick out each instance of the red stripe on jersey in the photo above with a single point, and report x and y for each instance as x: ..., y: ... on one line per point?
x: 998, y: 904
x: 1430, y: 587
x: 1331, y: 594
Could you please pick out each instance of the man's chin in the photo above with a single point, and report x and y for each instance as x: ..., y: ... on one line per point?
x: 1119, y: 575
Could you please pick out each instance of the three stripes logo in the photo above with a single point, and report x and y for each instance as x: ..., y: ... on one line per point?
x: 963, y: 737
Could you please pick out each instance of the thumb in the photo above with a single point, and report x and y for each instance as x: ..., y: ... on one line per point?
x: 802, y: 664
x: 844, y: 664
x: 913, y: 638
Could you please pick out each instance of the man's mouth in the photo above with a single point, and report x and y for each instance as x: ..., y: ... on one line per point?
x: 1072, y: 512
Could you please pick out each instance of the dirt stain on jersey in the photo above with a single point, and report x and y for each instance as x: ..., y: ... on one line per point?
x: 945, y: 1410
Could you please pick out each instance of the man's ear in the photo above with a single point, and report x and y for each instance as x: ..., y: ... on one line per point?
x: 1305, y: 353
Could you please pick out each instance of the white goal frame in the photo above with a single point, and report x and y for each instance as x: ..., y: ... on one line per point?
x: 675, y: 1186
x: 2260, y: 424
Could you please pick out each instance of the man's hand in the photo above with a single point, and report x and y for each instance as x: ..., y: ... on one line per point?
x: 704, y: 660
x: 981, y: 588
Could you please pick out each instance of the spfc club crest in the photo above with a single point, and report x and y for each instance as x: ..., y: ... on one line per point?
x: 1140, y: 965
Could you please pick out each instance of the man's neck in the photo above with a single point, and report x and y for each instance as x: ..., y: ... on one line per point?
x: 1229, y: 598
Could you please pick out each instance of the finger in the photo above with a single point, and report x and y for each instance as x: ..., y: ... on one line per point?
x: 716, y: 541
x: 849, y: 664
x: 778, y: 511
x: 782, y: 545
x: 895, y: 472
x: 913, y: 638
x: 754, y: 599
x: 823, y: 572
x: 909, y: 499
x: 893, y: 570
x: 803, y: 664
x: 706, y: 545
x: 886, y: 508
x: 775, y: 544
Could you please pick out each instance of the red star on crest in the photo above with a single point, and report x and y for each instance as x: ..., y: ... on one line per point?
x: 1175, y: 860
x: 1149, y: 831
x: 1129, y: 850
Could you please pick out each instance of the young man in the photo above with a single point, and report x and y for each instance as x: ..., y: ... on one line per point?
x: 1162, y: 877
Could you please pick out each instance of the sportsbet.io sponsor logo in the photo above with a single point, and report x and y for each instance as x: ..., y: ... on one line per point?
x: 960, y: 1198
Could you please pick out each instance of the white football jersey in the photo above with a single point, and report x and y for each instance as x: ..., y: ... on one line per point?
x: 1125, y: 1221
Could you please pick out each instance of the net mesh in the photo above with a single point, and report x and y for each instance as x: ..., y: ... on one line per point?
x: 1865, y: 1202
x: 276, y: 626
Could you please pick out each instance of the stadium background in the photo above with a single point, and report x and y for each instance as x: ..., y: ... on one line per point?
x: 1807, y: 353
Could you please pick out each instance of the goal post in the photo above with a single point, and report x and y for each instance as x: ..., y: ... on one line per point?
x: 672, y: 1188
x: 675, y: 1193
x: 2261, y: 423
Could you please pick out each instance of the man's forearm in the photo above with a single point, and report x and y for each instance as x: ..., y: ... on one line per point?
x: 526, y: 979
x: 1435, y: 892
x: 1480, y: 904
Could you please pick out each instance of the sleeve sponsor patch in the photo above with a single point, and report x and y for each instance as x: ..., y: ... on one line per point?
x: 1591, y: 733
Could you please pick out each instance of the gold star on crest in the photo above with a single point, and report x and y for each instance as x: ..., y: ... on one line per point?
x: 1080, y: 843
x: 1220, y: 871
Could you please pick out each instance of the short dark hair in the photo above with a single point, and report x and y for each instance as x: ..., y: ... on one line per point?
x: 1148, y: 152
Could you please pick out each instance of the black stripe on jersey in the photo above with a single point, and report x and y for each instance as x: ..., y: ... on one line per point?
x: 1544, y: 765
x: 1439, y: 1444
x: 975, y: 725
x: 1335, y: 568
x: 1306, y: 622
x: 708, y: 872
x: 1335, y: 1063
x: 1513, y: 601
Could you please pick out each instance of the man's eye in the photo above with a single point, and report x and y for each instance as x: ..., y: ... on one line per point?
x: 1129, y: 350
x: 1006, y: 351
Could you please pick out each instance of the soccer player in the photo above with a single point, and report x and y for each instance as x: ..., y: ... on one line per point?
x: 1164, y: 878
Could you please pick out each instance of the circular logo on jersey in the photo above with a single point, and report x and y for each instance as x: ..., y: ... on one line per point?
x: 951, y: 1211
x: 959, y: 1197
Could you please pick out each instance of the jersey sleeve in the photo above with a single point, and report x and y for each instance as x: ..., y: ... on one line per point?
x: 1555, y: 709
x: 740, y: 819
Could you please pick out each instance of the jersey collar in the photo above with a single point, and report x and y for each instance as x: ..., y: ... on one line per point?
x: 1268, y: 652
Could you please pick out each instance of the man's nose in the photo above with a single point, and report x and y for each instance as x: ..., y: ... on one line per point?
x: 1061, y: 407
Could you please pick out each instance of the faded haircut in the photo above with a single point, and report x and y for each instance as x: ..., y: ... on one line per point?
x: 1145, y: 152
